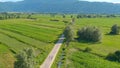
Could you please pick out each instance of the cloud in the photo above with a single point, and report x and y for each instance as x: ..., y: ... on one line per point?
x: 110, y: 1
x: 10, y: 0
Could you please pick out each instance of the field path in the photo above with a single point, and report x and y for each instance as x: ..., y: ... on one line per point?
x: 51, y: 57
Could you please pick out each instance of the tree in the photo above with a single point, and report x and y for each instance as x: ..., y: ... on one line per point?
x: 25, y: 59
x: 89, y: 34
x: 73, y: 21
x: 69, y: 34
x: 64, y: 16
x: 71, y: 16
x: 29, y: 17
x: 79, y: 16
x: 114, y: 56
x: 115, y: 29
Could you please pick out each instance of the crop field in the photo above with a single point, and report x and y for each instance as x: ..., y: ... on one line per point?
x: 18, y: 34
x: 76, y: 58
x: 42, y: 31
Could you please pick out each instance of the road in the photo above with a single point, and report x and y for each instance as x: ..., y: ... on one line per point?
x: 51, y: 57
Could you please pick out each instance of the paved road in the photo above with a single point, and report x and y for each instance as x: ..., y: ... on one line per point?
x: 51, y: 57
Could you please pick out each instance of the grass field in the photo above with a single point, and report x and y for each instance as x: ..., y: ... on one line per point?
x: 110, y: 43
x: 41, y: 34
x: 18, y: 34
x: 76, y: 58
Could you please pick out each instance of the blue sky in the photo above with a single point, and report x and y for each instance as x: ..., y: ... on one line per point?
x: 112, y: 1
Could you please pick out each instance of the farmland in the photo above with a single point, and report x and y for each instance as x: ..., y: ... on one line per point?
x: 18, y: 34
x: 75, y: 57
x: 41, y: 31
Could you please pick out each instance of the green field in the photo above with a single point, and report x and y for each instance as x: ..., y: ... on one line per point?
x: 42, y: 32
x: 76, y: 58
x: 18, y: 34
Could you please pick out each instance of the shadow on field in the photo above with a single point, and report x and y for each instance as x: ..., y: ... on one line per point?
x: 99, y: 55
x: 112, y: 34
x: 88, y: 42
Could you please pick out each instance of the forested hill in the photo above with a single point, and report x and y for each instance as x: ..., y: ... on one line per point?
x: 59, y: 6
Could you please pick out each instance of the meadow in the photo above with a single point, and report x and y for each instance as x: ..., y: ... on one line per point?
x: 43, y: 30
x: 17, y: 34
x: 76, y: 58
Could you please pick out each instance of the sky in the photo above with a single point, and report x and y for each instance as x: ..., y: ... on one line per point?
x: 110, y: 1
x: 9, y: 0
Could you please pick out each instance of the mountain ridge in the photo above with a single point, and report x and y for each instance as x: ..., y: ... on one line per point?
x: 61, y: 6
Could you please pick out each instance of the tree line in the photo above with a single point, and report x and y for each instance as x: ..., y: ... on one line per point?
x: 5, y: 15
x: 96, y: 16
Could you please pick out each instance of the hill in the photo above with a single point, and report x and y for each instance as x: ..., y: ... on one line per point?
x: 62, y: 6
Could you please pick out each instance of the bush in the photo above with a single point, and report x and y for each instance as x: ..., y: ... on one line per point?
x: 69, y: 34
x: 89, y: 34
x: 25, y: 59
x: 87, y: 49
x: 63, y: 49
x: 114, y: 56
x: 115, y: 29
x: 65, y: 21
x: 54, y: 20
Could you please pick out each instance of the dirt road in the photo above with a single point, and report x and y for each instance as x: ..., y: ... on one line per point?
x: 51, y: 57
